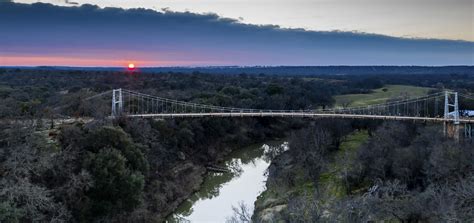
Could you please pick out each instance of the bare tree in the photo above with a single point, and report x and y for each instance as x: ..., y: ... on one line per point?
x: 242, y: 214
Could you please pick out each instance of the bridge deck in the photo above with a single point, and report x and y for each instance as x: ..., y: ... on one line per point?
x: 294, y: 114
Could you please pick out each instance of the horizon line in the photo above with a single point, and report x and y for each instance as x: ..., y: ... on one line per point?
x: 239, y: 66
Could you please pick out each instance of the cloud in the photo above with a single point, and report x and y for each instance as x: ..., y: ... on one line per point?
x: 195, y: 39
x: 71, y: 2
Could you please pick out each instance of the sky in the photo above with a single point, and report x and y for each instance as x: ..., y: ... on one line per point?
x: 442, y: 19
x: 237, y: 32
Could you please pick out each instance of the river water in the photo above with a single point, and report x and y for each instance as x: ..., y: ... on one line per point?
x: 221, y: 191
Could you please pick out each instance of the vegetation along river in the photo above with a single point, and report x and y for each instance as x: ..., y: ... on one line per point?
x: 221, y: 191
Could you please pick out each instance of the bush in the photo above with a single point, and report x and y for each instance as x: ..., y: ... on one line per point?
x: 111, y: 137
x: 116, y: 187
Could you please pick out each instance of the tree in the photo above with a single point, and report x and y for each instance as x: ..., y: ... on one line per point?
x: 242, y: 214
x: 116, y: 187
x: 111, y: 137
x: 23, y: 196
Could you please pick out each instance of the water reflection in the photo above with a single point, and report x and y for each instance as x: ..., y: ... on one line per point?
x: 220, y: 191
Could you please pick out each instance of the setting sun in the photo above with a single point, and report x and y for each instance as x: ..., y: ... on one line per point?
x: 131, y: 66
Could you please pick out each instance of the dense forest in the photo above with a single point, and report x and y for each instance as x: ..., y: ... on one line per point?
x: 140, y: 170
x: 403, y: 172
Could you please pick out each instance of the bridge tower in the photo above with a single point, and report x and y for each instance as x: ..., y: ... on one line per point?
x: 117, y: 102
x: 451, y: 114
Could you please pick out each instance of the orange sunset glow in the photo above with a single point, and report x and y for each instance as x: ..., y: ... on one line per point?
x: 33, y: 60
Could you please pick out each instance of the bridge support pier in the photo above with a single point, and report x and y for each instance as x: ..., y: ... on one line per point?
x: 452, y: 131
x: 468, y: 131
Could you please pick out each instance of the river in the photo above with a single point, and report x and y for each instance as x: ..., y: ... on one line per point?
x: 221, y: 191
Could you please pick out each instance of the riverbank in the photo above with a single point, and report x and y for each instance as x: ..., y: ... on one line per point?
x: 274, y: 202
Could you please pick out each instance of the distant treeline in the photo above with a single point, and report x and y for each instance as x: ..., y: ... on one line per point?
x: 288, y: 70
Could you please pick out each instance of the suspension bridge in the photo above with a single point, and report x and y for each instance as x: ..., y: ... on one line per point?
x: 448, y: 107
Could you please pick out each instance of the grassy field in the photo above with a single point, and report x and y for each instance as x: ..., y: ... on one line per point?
x: 380, y: 95
x: 331, y: 182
